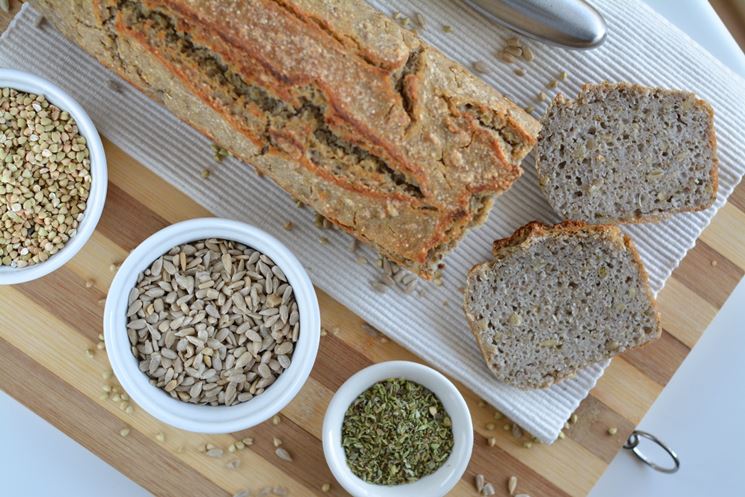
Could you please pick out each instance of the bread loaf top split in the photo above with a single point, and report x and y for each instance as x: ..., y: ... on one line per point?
x: 342, y: 107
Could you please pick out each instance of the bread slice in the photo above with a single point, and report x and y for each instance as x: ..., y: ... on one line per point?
x: 558, y: 298
x: 626, y: 153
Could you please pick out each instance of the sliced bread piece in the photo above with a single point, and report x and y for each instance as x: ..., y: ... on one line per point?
x: 626, y: 153
x: 558, y: 298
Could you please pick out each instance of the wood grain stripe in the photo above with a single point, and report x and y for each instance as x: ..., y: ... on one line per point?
x: 737, y: 198
x: 65, y: 359
x: 683, y: 312
x: 713, y: 283
x: 121, y: 211
x: 658, y: 360
x: 591, y: 429
x: 724, y: 239
x: 626, y: 390
x: 59, y: 403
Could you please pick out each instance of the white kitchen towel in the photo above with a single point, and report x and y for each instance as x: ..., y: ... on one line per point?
x: 641, y: 47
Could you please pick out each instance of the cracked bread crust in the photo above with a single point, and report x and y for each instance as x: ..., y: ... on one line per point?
x: 517, y: 350
x: 348, y: 112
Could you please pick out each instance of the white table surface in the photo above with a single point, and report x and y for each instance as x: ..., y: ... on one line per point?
x: 696, y: 413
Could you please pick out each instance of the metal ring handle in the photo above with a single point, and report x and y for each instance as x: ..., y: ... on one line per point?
x: 632, y: 443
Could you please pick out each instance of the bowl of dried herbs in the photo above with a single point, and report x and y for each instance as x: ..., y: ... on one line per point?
x: 397, y: 429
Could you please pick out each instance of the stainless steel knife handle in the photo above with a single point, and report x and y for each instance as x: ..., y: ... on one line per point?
x: 568, y: 23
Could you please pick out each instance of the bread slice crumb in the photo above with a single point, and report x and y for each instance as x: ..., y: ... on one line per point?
x: 627, y: 153
x: 558, y: 298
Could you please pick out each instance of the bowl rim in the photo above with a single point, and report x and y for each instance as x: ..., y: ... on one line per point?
x: 30, y: 83
x: 201, y: 418
x: 436, y: 484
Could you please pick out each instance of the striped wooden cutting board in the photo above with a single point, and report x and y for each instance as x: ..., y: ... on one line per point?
x: 46, y: 327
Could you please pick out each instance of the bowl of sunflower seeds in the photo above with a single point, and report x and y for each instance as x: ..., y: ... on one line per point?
x: 52, y: 177
x: 211, y: 325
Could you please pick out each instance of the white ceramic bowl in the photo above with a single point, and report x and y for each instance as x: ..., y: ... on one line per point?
x: 438, y: 483
x: 200, y: 418
x: 10, y: 78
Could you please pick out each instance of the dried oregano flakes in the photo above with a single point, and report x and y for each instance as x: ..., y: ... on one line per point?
x: 397, y: 431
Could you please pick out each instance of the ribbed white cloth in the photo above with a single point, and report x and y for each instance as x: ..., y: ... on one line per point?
x: 642, y: 47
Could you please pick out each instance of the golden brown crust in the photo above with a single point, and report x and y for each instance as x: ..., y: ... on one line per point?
x: 446, y: 140
x: 536, y: 229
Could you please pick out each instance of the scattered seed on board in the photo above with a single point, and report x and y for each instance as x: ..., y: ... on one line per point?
x: 219, y: 153
x: 491, y: 426
x: 479, y: 481
x: 419, y: 19
x: 479, y: 67
x: 90, y: 353
x: 124, y: 432
x: 512, y: 485
x: 89, y: 283
x: 289, y: 225
x: 160, y: 437
x: 215, y: 452
x: 612, y: 430
x: 520, y: 72
x: 517, y: 432
x: 491, y: 441
x: 213, y: 322
x: 326, y: 487
x: 574, y: 418
x: 276, y: 441
x: 528, y: 445
x: 563, y: 75
x: 282, y: 453
x: 276, y: 420
x: 488, y: 490
x: 527, y: 54
x: 233, y: 464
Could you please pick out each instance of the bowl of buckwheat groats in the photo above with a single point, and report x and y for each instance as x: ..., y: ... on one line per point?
x: 52, y: 177
x: 211, y: 325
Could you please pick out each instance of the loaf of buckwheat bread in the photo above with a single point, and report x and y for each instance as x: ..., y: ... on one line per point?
x: 622, y: 152
x: 343, y: 108
x: 558, y: 298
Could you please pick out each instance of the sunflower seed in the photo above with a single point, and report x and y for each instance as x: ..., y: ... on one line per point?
x: 512, y: 485
x: 216, y: 452
x: 479, y: 481
x: 281, y: 453
x: 213, y: 322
